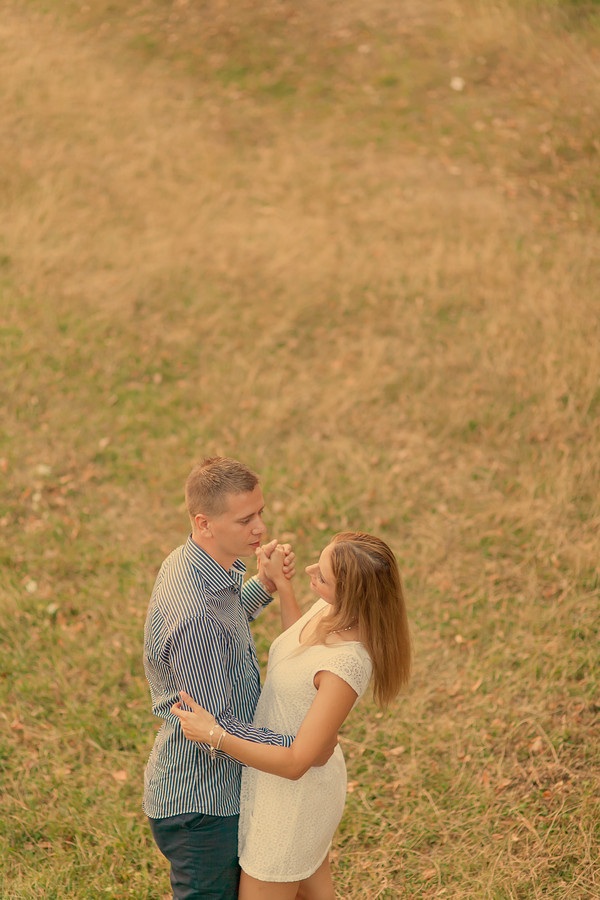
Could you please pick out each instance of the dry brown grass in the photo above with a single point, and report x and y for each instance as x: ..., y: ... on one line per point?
x: 292, y: 214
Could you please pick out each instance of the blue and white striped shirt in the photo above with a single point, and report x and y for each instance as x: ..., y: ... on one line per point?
x: 197, y: 638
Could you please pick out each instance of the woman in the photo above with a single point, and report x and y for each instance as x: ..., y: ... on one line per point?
x: 356, y: 632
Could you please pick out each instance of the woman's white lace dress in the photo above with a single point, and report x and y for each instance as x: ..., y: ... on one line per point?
x: 286, y: 826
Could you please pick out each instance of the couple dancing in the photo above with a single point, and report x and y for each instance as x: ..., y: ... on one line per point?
x: 227, y: 752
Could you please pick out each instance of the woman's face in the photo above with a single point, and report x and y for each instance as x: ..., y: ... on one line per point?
x: 322, y: 581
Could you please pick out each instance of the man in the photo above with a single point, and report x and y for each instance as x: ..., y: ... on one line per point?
x: 197, y: 638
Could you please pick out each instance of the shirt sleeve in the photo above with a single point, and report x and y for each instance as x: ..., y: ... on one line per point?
x: 199, y: 662
x: 254, y: 597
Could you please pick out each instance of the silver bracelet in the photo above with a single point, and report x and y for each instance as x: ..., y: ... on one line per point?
x: 220, y: 741
x: 212, y: 751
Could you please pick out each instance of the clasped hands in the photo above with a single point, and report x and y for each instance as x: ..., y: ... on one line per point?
x: 275, y: 562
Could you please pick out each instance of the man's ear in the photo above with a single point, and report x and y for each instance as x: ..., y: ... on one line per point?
x: 202, y: 525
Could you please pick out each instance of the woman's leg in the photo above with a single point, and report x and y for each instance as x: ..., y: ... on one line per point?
x: 319, y: 886
x: 253, y: 889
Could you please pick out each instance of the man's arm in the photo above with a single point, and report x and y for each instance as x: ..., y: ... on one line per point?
x: 255, y: 596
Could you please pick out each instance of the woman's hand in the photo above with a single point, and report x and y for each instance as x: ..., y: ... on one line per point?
x: 195, y: 724
x: 289, y: 560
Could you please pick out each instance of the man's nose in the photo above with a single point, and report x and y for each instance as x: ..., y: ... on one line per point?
x: 259, y: 527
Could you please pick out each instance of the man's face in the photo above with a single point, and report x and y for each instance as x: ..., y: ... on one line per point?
x: 239, y: 530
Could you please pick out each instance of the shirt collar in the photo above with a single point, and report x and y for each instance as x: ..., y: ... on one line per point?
x: 214, y: 573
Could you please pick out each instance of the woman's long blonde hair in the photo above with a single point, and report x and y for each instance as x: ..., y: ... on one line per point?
x: 368, y: 591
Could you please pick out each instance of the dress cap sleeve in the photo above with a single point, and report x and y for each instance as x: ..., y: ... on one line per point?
x: 351, y: 663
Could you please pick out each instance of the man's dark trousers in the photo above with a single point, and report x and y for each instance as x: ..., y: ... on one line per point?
x: 203, y: 852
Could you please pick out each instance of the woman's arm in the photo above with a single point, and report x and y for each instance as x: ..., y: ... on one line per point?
x: 316, y: 736
x: 288, y: 605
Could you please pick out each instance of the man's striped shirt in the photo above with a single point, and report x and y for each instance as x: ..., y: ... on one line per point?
x: 197, y: 638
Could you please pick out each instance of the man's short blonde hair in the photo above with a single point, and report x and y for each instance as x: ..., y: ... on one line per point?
x: 208, y: 484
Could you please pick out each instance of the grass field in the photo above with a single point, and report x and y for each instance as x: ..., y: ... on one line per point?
x: 356, y: 245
